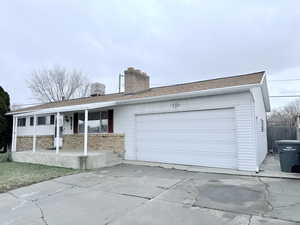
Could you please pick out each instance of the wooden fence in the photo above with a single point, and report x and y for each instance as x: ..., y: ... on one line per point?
x: 280, y: 133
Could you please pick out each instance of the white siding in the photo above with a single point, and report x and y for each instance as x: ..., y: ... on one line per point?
x: 47, y: 129
x: 246, y: 139
x: 260, y: 114
x: 124, y: 120
x: 40, y: 129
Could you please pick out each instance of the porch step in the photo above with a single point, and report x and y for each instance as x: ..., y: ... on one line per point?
x: 112, y: 158
x: 75, y: 160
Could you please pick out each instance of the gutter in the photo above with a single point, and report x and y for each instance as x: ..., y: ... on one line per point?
x: 193, y: 94
x: 65, y: 109
x: 265, y: 92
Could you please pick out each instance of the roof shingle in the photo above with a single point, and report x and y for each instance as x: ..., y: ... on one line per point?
x: 253, y: 78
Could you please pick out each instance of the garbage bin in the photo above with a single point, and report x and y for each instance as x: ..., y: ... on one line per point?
x: 289, y: 154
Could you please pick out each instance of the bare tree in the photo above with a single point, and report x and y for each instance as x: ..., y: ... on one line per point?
x: 286, y: 115
x: 57, y: 84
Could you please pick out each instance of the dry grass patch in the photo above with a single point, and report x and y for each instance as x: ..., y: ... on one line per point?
x: 14, y: 175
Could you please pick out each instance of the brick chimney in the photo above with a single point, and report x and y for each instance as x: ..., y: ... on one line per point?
x: 135, y: 80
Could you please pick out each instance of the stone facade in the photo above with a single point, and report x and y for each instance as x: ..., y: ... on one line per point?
x: 96, y: 142
x: 42, y: 142
x: 74, y: 142
x: 24, y: 143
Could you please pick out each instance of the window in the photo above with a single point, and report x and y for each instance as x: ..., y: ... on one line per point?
x: 97, y: 122
x: 104, y: 121
x: 21, y: 122
x: 71, y: 123
x: 31, y: 121
x: 52, y: 119
x: 262, y: 125
x: 41, y: 120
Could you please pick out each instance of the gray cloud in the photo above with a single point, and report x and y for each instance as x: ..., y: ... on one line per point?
x: 174, y: 41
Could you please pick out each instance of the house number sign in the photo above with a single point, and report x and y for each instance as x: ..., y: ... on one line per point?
x: 174, y: 105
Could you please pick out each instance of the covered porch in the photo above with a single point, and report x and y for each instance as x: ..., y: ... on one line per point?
x: 74, y: 138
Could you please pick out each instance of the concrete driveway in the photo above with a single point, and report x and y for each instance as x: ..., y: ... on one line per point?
x: 130, y: 194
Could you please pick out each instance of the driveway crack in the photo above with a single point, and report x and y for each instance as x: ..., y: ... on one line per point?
x: 41, y: 211
x: 267, y: 193
x: 34, y: 202
x: 69, y: 184
x: 13, y: 195
x: 250, y: 219
x: 136, y: 196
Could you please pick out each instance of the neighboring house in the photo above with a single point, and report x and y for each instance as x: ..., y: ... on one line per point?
x: 215, y: 123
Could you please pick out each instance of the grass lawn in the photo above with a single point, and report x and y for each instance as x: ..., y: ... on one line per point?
x: 14, y: 174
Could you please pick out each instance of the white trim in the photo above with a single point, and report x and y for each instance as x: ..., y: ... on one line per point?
x: 57, y: 132
x: 66, y: 108
x: 192, y: 94
x: 86, y: 118
x: 34, y: 133
x: 14, y: 135
x: 183, y: 95
x: 265, y: 92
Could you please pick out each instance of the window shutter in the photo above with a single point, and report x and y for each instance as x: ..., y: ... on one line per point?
x: 31, y: 121
x: 110, y: 121
x: 75, y: 125
x: 52, y: 119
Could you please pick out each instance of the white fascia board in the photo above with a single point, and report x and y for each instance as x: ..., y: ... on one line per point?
x: 192, y: 94
x: 216, y: 91
x: 68, y: 108
x: 265, y: 92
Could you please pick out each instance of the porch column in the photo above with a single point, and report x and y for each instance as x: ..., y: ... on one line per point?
x: 57, y: 133
x: 86, y: 118
x: 34, y: 134
x: 14, y: 135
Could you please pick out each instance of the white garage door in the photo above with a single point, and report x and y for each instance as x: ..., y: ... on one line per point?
x: 204, y: 138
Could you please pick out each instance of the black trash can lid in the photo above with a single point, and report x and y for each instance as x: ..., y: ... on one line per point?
x: 288, y: 142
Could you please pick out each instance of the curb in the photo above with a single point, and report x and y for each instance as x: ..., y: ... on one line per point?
x: 282, y: 175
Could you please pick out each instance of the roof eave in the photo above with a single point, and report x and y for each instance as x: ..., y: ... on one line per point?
x: 265, y: 92
x: 209, y: 92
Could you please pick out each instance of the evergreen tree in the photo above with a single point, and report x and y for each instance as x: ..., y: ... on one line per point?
x: 5, y: 121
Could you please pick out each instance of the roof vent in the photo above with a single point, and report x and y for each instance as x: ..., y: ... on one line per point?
x: 97, y: 89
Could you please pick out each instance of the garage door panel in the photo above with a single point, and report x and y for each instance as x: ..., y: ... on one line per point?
x: 193, y: 150
x: 192, y: 114
x: 174, y: 128
x: 177, y: 137
x: 185, y: 122
x: 205, y: 138
x: 200, y: 144
x: 187, y: 136
x: 200, y: 161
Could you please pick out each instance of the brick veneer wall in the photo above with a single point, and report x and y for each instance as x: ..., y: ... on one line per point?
x: 74, y: 142
x: 24, y: 143
x: 96, y: 142
x: 42, y: 142
x: 45, y: 142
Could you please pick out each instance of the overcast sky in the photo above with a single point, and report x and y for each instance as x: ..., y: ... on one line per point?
x: 173, y: 41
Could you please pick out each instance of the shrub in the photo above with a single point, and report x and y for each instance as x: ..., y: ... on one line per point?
x: 4, y: 157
